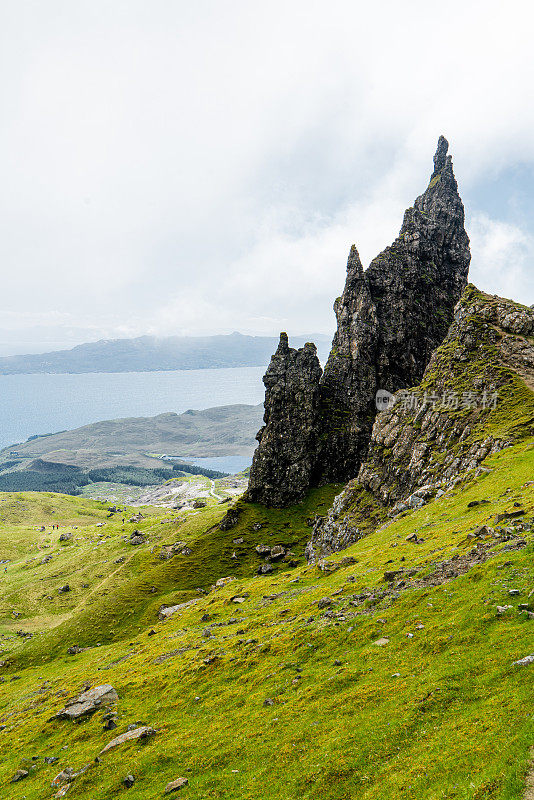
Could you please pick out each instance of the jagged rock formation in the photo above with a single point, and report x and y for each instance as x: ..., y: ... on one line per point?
x: 392, y: 317
x: 349, y: 382
x: 389, y: 320
x: 476, y: 397
x: 283, y: 462
x: 472, y: 401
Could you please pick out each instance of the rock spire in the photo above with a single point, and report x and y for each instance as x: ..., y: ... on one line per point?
x: 390, y: 318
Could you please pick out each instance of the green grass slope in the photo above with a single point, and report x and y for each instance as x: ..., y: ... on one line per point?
x: 259, y: 691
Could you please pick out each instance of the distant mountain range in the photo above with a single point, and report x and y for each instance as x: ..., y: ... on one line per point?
x: 150, y: 353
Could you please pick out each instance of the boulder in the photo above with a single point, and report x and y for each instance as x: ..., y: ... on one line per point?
x: 175, y: 786
x: 144, y: 732
x: 66, y: 776
x: 19, y: 775
x: 167, y: 611
x: 136, y: 538
x: 87, y: 702
x: 524, y: 662
x: 224, y: 581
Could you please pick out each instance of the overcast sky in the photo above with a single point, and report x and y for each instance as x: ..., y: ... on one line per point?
x: 175, y: 167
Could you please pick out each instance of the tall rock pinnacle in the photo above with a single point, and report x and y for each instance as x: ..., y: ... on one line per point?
x: 390, y: 318
x: 283, y: 462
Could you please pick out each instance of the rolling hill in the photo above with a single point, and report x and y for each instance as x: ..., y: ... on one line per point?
x: 220, y: 431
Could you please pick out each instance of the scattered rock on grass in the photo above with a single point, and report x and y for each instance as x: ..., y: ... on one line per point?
x: 167, y: 611
x: 74, y: 649
x: 324, y: 602
x: 66, y: 776
x: 523, y: 662
x: 223, y: 581
x: 19, y: 775
x: 174, y: 786
x: 87, y: 702
x: 138, y: 733
x: 503, y: 609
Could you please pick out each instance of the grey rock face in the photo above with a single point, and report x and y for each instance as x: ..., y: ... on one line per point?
x: 349, y: 382
x: 335, y: 531
x: 390, y: 318
x: 283, y: 463
x: 429, y: 446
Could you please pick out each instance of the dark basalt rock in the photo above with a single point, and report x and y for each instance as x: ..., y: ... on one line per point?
x: 349, y: 382
x: 283, y: 463
x: 390, y: 318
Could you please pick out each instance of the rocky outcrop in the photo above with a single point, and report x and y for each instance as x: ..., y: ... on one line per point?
x: 283, y: 462
x: 472, y: 402
x: 339, y: 528
x: 389, y: 320
x: 476, y: 397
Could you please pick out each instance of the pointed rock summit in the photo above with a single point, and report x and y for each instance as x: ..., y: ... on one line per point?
x: 390, y: 318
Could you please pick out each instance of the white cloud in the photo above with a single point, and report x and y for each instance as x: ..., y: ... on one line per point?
x: 186, y: 167
x: 503, y: 257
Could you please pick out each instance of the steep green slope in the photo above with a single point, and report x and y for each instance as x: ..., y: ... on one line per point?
x: 260, y: 690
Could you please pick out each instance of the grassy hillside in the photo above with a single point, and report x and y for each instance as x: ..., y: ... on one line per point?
x: 344, y: 680
x: 220, y: 431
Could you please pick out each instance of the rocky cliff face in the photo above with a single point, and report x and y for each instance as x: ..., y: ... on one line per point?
x: 389, y: 320
x: 283, y: 462
x: 476, y: 397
